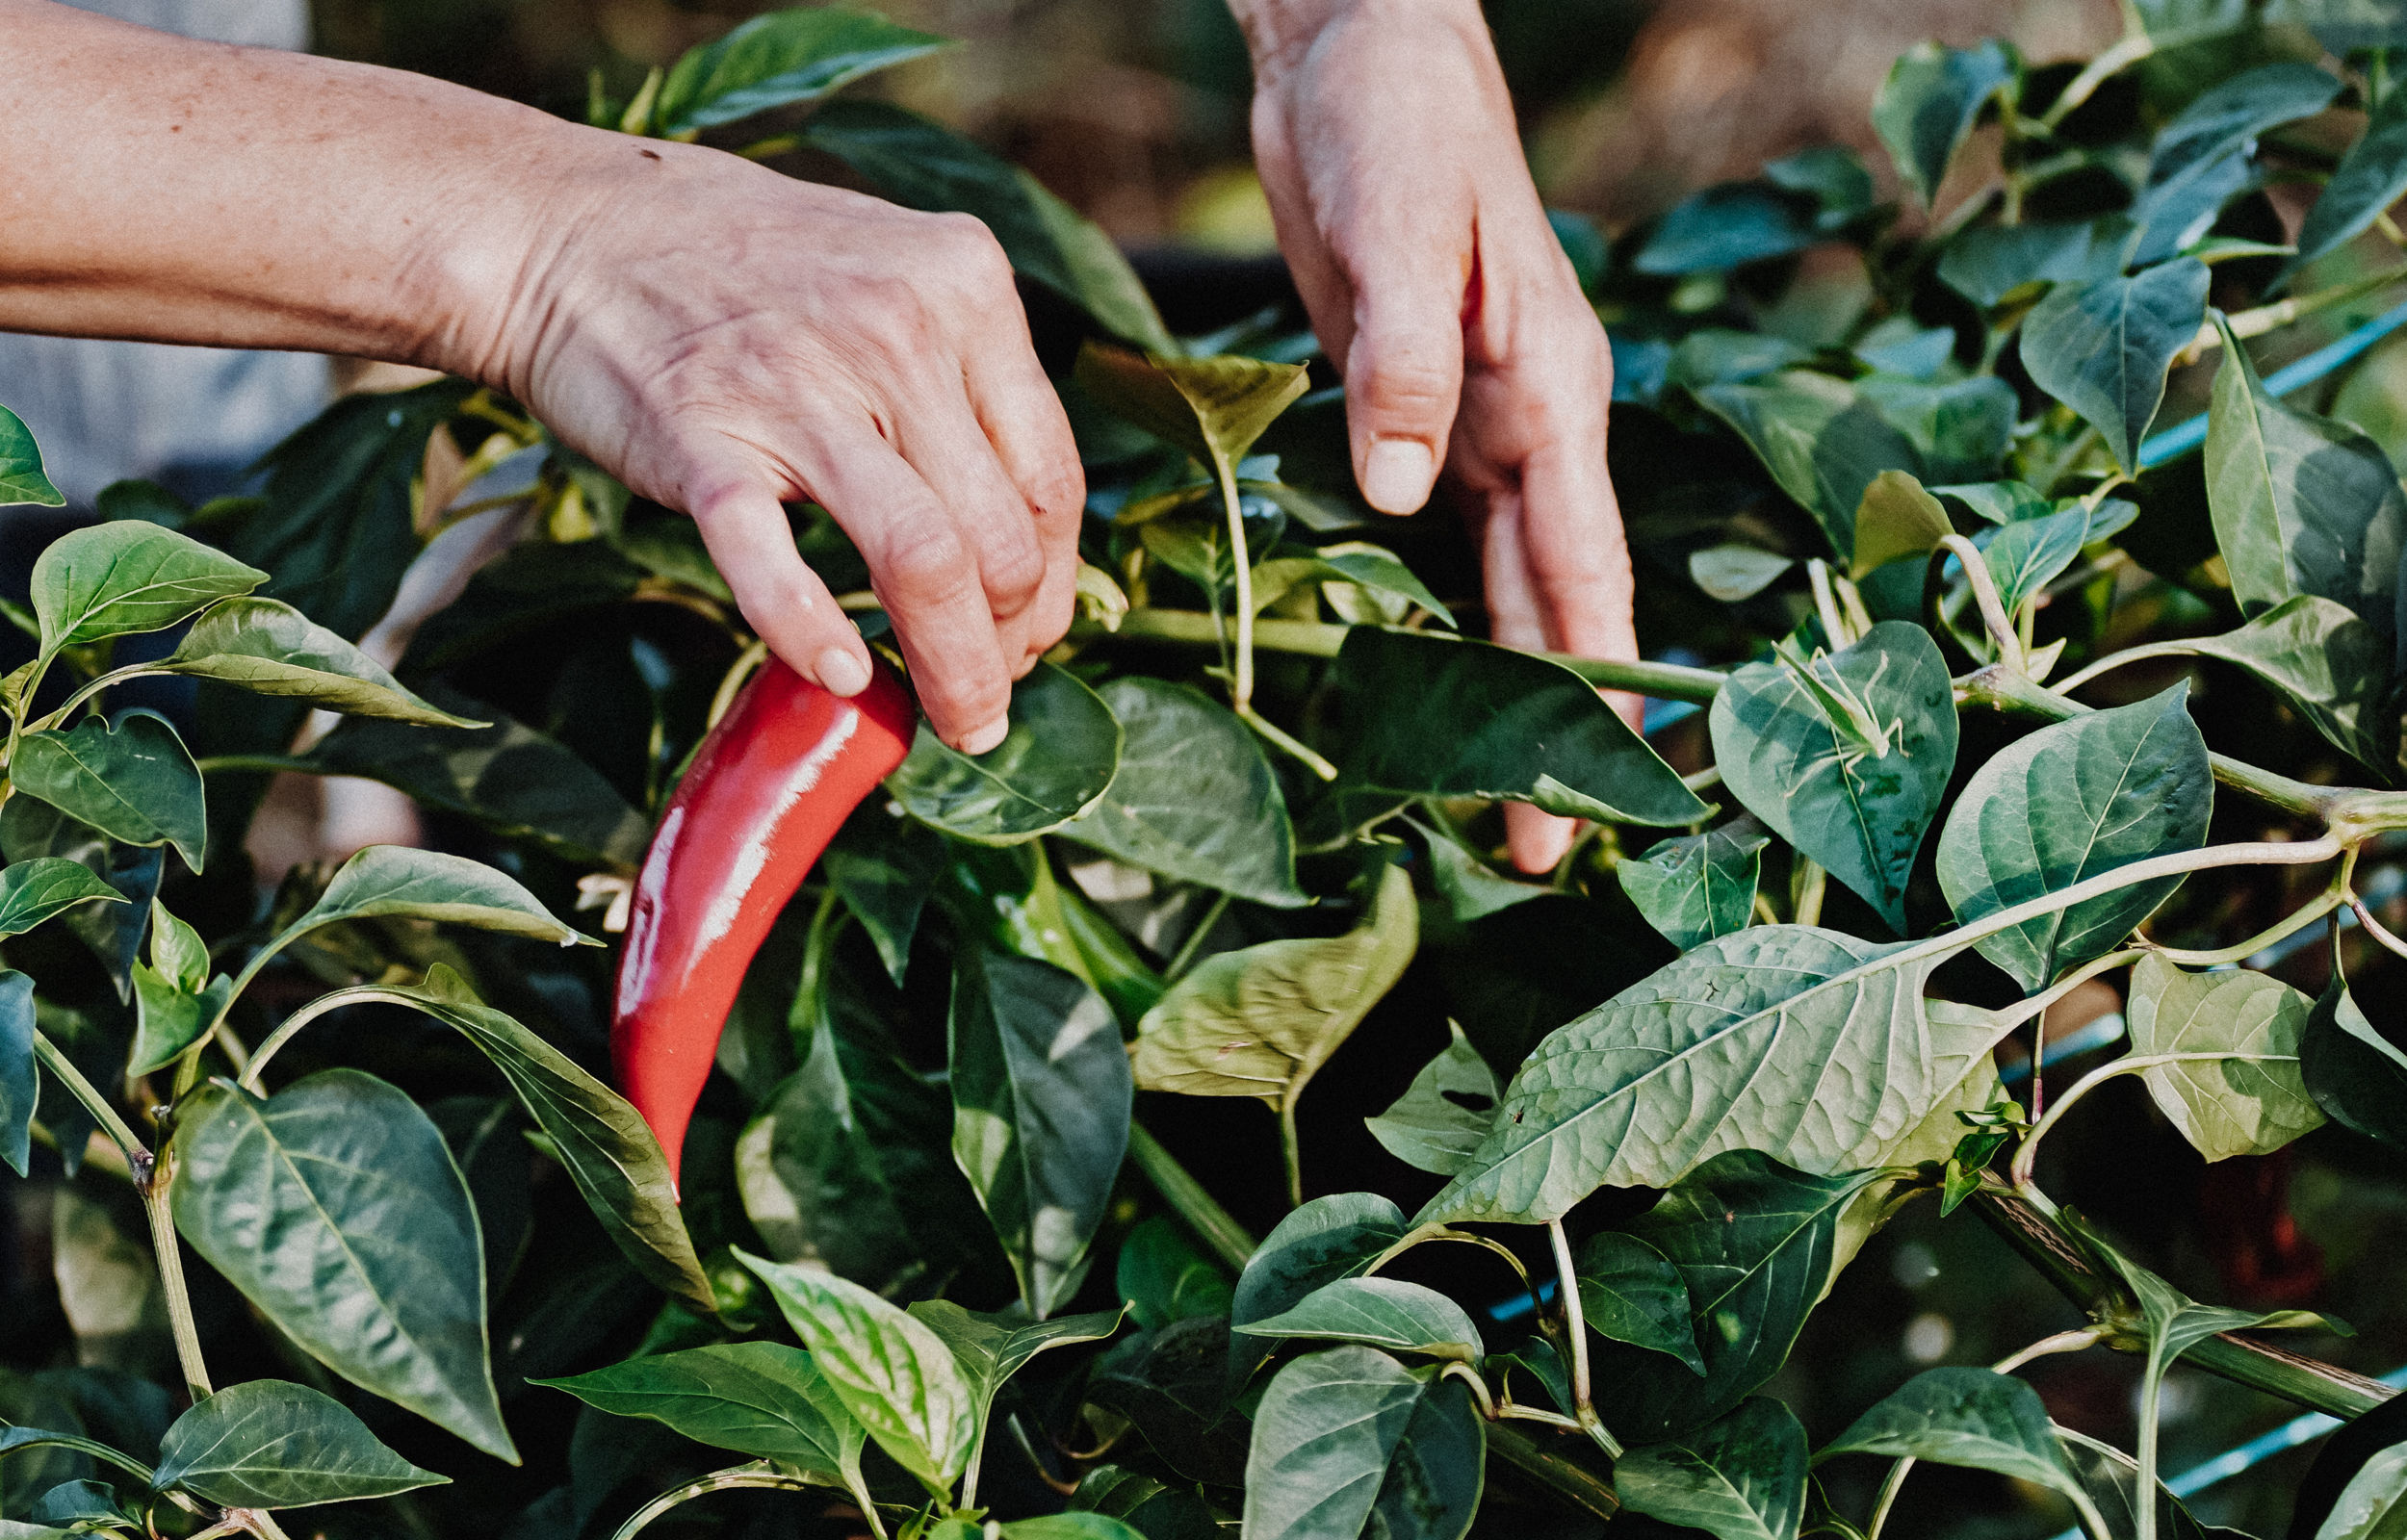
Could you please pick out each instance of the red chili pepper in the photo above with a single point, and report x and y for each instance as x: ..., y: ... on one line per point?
x: 767, y: 789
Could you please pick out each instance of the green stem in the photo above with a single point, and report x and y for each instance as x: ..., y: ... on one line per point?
x: 1189, y: 948
x: 1576, y: 1327
x: 290, y: 1026
x: 1280, y: 738
x: 1993, y: 616
x: 1889, y: 1489
x: 1561, y: 1475
x: 2130, y: 51
x: 2330, y: 899
x: 1811, y: 882
x: 137, y: 1154
x: 2144, y: 1492
x: 1826, y: 604
x: 759, y: 1474
x: 1241, y: 677
x: 1211, y: 1224
x: 2027, y: 1154
x: 154, y: 1188
x: 1291, y: 1151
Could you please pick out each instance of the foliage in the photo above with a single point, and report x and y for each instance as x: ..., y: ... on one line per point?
x: 931, y: 1260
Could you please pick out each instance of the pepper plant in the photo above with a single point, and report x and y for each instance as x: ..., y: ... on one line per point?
x: 2036, y: 636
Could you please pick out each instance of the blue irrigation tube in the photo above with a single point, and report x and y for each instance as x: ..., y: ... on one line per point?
x: 2183, y: 437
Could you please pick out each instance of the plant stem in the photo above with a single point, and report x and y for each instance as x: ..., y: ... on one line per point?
x: 153, y: 1185
x: 1280, y: 738
x: 290, y: 1026
x: 2376, y: 928
x: 2063, y: 1342
x: 1993, y: 616
x: 1291, y: 1151
x: 759, y: 1474
x: 137, y: 1153
x: 1811, y: 882
x: 1889, y: 1489
x: 2131, y: 50
x: 1576, y: 1327
x: 1455, y: 1369
x: 2144, y: 1491
x: 1826, y: 604
x: 1211, y: 1224
x: 755, y: 654
x: 1565, y: 1478
x: 1195, y: 939
x: 2330, y: 899
x: 1241, y: 677
x: 2027, y: 1154
x: 261, y: 1523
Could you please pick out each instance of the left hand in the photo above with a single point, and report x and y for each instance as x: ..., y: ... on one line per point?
x: 1385, y: 140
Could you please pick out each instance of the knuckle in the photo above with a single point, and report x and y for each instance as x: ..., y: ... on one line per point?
x: 922, y: 561
x: 1412, y: 376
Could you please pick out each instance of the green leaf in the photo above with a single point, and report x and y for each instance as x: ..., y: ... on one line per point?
x: 20, y: 1086
x: 1194, y: 797
x: 2025, y: 556
x: 20, y: 466
x: 1968, y: 1417
x: 1157, y: 1511
x: 1444, y: 1114
x: 894, y: 1373
x: 2373, y: 1506
x: 1040, y: 1101
x: 2302, y: 504
x: 1988, y: 263
x: 506, y: 776
x: 1492, y: 723
x: 2370, y: 178
x: 989, y: 1350
x: 2103, y: 347
x: 1739, y: 1478
x: 2200, y: 157
x: 269, y: 648
x: 779, y: 59
x: 1349, y: 1438
x: 1213, y: 408
x: 1260, y: 1020
x: 1630, y: 1293
x: 2071, y: 802
x: 1164, y: 1279
x: 1756, y: 1243
x: 1327, y: 1238
x: 1055, y: 764
x: 1735, y: 572
x: 1387, y: 1313
x: 1471, y: 888
x: 1697, y: 886
x: 1721, y: 228
x: 135, y: 781
x: 1732, y: 1046
x: 1369, y: 570
x: 1845, y: 758
x: 1896, y: 519
x: 2330, y: 665
x: 266, y: 1444
x: 609, y: 1151
x: 111, y: 580
x: 31, y: 827
x: 32, y: 891
x: 2231, y: 1106
x: 170, y: 1018
x: 2356, y: 1075
x: 925, y: 166
x: 885, y: 865
x: 1961, y: 428
x: 1928, y: 105
x: 761, y: 1399
x: 1072, y: 1526
x: 429, y: 884
x: 1823, y: 444
x: 335, y: 1208
x: 93, y: 1504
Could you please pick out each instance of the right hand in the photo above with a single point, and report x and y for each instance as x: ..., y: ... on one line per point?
x: 724, y: 340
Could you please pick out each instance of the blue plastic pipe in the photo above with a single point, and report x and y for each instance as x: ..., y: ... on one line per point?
x: 2183, y: 437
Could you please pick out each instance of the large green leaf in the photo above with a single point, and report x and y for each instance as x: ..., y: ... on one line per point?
x: 135, y: 781
x: 2026, y: 555
x: 2373, y: 1506
x: 334, y: 1206
x: 2370, y: 178
x: 268, y: 647
x: 1630, y: 1293
x: 2302, y: 504
x: 894, y: 1373
x: 2227, y: 1106
x: 779, y: 59
x: 2071, y: 802
x: 1055, y: 764
x: 32, y: 891
x: 1969, y: 1417
x: 1194, y: 797
x: 2103, y: 347
x: 1329, y: 1238
x: 20, y: 466
x: 1756, y: 1243
x: 1040, y: 1101
x: 1349, y: 1438
x: 1389, y: 1312
x: 1697, y: 886
x: 1809, y: 1046
x: 128, y: 575
x: 2357, y: 1075
x: 989, y: 1350
x: 429, y: 884
x: 609, y: 1151
x: 1823, y: 443
x: 2200, y: 157
x: 761, y: 1399
x: 20, y: 1086
x: 1740, y: 1477
x: 926, y: 165
x: 1431, y: 716
x: 1261, y: 1020
x: 267, y: 1444
x: 1846, y: 757
x: 504, y: 775
x: 1444, y: 1114
x: 1929, y: 103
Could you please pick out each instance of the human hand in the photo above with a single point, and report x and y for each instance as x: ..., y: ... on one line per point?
x: 724, y: 339
x: 1386, y: 142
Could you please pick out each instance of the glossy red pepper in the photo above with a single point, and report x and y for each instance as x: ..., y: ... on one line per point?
x: 767, y: 789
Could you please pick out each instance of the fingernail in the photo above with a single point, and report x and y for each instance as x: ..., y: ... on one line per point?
x: 985, y: 737
x: 1396, y: 475
x: 840, y: 672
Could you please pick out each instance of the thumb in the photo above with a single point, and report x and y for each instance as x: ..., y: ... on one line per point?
x: 1404, y: 379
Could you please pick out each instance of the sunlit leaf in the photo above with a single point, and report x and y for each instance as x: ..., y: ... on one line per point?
x: 1389, y: 1312
x: 2233, y: 1105
x: 270, y: 648
x: 1055, y: 764
x: 761, y: 1399
x: 111, y: 580
x: 2103, y: 347
x: 1823, y: 443
x: 266, y: 1444
x: 32, y: 891
x: 20, y: 466
x: 1697, y: 886
x: 135, y: 781
x: 778, y: 60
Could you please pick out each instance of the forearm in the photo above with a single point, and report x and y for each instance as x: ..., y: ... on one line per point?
x: 184, y: 191
x: 1275, y: 31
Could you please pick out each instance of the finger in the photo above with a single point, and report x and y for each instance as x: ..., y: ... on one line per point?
x: 1536, y: 841
x: 927, y: 577
x: 1022, y: 419
x: 743, y: 526
x: 1575, y: 558
x: 1403, y: 368
x: 943, y: 441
